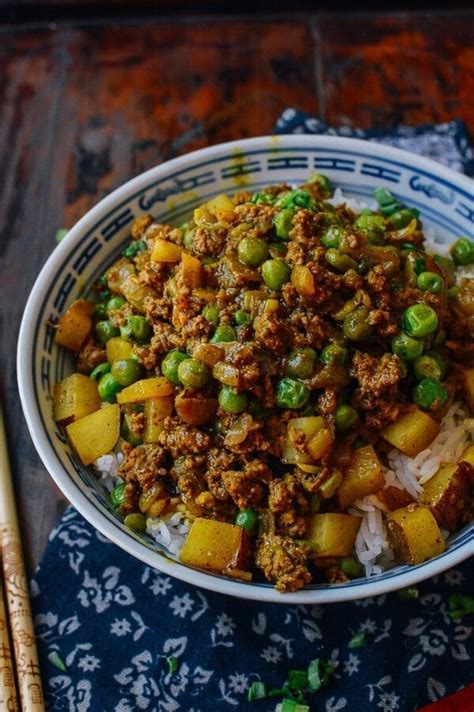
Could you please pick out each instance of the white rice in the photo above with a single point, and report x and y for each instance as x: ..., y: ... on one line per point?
x: 371, y: 547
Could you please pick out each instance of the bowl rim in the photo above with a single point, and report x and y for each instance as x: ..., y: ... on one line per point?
x: 132, y: 543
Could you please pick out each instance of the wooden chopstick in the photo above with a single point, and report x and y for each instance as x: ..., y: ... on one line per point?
x: 16, y: 588
x: 8, y: 697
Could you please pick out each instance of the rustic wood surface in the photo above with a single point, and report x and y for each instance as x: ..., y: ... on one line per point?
x: 84, y: 108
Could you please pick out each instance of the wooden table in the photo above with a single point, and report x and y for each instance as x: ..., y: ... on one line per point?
x: 84, y: 107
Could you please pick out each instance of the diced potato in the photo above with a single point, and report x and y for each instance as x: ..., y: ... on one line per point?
x: 320, y: 444
x: 226, y: 373
x: 136, y: 293
x: 412, y: 432
x: 329, y: 487
x: 191, y: 270
x: 209, y: 354
x: 164, y: 251
x: 221, y: 207
x: 392, y: 498
x: 469, y: 385
x: 155, y: 412
x: 140, y: 391
x: 303, y: 280
x: 448, y: 494
x: 195, y: 410
x: 363, y: 476
x: 202, y: 216
x: 118, y: 348
x: 118, y: 273
x: 205, y: 295
x: 75, y: 397
x: 414, y: 534
x: 303, y: 433
x: 215, y: 546
x: 75, y: 325
x: 332, y: 534
x: 154, y: 500
x: 95, y: 434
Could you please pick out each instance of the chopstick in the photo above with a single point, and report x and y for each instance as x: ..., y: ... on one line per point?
x: 16, y: 587
x: 8, y: 697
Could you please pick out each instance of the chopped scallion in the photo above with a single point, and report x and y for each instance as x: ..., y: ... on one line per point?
x: 173, y: 665
x: 460, y: 606
x: 257, y: 691
x: 358, y: 640
x: 57, y: 661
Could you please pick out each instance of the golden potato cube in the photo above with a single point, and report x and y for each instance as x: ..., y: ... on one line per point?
x: 299, y: 434
x: 136, y: 293
x: 363, y: 476
x: 332, y: 534
x: 164, y: 251
x: 75, y: 397
x: 303, y: 280
x: 156, y: 387
x: 75, y: 325
x: 414, y: 534
x: 95, y: 434
x: 412, y: 432
x: 448, y: 494
x: 469, y: 385
x: 320, y: 444
x: 191, y: 270
x: 205, y: 295
x: 221, y: 207
x: 215, y: 546
x: 118, y: 348
x: 195, y: 410
x: 155, y: 412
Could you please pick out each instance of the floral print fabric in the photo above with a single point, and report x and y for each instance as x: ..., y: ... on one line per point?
x: 115, y: 623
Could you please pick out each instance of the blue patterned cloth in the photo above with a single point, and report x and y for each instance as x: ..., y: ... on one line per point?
x: 114, y: 623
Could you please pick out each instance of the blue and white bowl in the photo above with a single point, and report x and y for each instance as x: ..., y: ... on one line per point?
x: 170, y: 192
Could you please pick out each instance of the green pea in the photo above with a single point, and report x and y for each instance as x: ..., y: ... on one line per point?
x: 300, y: 363
x: 419, y: 320
x: 242, y: 318
x: 252, y: 251
x: 332, y: 236
x: 115, y: 303
x: 232, y: 402
x: 247, y: 519
x: 127, y: 433
x: 334, y: 354
x: 126, y: 371
x: 108, y: 388
x: 296, y: 199
x: 99, y: 371
x: 224, y: 334
x: 117, y: 496
x: 133, y: 249
x: 372, y: 226
x: 262, y: 198
x: 340, y: 262
x: 429, y: 282
x: 345, y: 417
x: 291, y: 394
x: 136, y: 521
x: 193, y: 373
x: 61, y: 234
x: 188, y: 237
x: 453, y: 292
x: 283, y: 222
x: 463, y: 251
x: 275, y: 274
x: 349, y: 566
x: 105, y: 330
x: 356, y: 325
x: 406, y: 347
x: 136, y: 327
x: 401, y: 218
x: 324, y: 183
x: 428, y: 393
x: 100, y: 311
x: 427, y: 367
x: 363, y: 267
x: 170, y: 364
x: 211, y: 313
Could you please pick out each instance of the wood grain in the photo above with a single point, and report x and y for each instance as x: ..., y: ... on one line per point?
x: 84, y: 108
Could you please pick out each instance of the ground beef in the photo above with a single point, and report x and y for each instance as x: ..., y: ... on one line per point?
x: 209, y: 240
x: 375, y: 375
x: 144, y: 465
x: 247, y: 487
x: 180, y: 439
x: 272, y: 333
x: 91, y: 354
x: 283, y: 561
